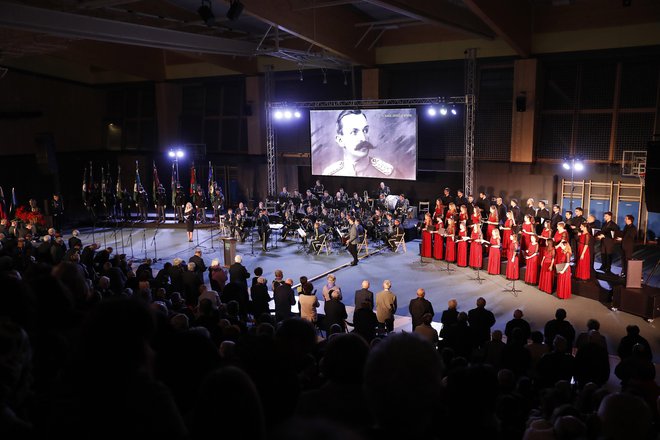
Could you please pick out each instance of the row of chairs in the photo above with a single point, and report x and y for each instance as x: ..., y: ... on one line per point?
x: 362, y: 247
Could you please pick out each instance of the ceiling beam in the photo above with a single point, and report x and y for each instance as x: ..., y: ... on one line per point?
x: 142, y: 62
x: 244, y: 65
x: 510, y: 20
x: 70, y: 25
x: 334, y: 32
x: 439, y: 13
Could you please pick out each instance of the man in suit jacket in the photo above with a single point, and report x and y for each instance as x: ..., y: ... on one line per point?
x: 418, y: 307
x: 607, y: 242
x: 200, y: 266
x: 284, y: 299
x: 627, y: 243
x: 364, y: 295
x: 335, y: 311
x: 353, y: 240
x: 386, y: 306
x: 481, y: 320
x: 238, y: 273
x: 555, y: 218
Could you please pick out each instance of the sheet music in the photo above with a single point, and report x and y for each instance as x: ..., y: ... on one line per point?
x: 276, y: 226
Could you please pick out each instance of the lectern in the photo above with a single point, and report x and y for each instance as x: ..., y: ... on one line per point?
x: 229, y: 245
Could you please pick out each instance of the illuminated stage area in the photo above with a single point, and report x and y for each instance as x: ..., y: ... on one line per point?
x: 406, y: 271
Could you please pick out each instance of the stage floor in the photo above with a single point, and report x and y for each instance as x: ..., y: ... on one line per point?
x: 406, y: 271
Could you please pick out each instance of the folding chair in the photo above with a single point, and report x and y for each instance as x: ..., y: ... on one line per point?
x: 401, y: 243
x: 324, y: 244
x: 423, y: 208
x: 363, y: 245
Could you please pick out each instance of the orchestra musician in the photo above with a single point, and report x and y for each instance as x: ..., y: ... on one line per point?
x: 318, y: 236
x: 401, y: 207
x: 241, y: 227
x: 397, y: 235
x: 532, y: 261
x: 383, y: 190
x: 263, y: 227
x: 218, y: 202
x: 318, y: 188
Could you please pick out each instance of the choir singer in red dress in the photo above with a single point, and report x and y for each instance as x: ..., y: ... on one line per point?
x: 546, y: 278
x: 513, y: 259
x: 532, y: 261
x: 527, y: 231
x: 476, y: 250
x: 494, y: 253
x: 507, y: 230
x: 583, y: 257
x: 427, y: 227
x: 462, y: 247
x: 438, y: 241
x: 563, y: 267
x: 493, y: 221
x: 450, y: 243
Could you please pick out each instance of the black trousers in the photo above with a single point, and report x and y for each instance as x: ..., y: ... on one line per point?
x: 625, y: 258
x: 352, y: 248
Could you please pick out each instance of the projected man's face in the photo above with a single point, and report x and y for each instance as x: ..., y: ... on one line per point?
x: 354, y: 135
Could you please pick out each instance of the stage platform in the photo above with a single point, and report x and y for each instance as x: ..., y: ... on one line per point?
x: 406, y: 271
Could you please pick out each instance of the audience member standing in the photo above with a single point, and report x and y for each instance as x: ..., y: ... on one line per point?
x: 238, y: 273
x: 559, y: 326
x: 364, y: 295
x: 386, y: 306
x: 481, y: 320
x: 284, y: 299
x: 418, y: 307
x: 518, y: 322
x: 335, y: 311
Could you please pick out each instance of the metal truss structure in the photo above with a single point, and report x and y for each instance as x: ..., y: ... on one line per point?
x: 271, y: 157
x: 470, y: 110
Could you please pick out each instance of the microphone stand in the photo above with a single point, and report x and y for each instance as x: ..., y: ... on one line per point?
x: 130, y: 240
x: 144, y: 242
x: 153, y: 240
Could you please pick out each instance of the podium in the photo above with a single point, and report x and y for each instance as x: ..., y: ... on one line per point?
x: 229, y: 246
x: 634, y: 275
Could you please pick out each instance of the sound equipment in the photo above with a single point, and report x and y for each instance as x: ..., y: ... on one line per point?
x: 644, y: 302
x: 652, y: 182
x: 634, y: 274
x: 591, y: 289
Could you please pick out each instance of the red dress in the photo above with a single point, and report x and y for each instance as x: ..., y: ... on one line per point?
x: 437, y: 244
x: 476, y: 219
x: 462, y: 250
x: 564, y: 278
x: 513, y: 262
x: 426, y: 243
x: 583, y: 271
x: 506, y: 237
x: 532, y: 271
x: 528, y: 228
x: 543, y: 244
x: 476, y: 257
x: 547, y: 276
x: 559, y: 237
x: 450, y: 251
x: 494, y: 256
x: 489, y: 231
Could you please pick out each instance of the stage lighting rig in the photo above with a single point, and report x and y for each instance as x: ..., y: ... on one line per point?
x: 573, y: 164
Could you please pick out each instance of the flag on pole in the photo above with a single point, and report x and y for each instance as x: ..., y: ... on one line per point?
x: 193, y: 180
x: 211, y: 190
x: 13, y: 206
x: 174, y: 185
x: 119, y: 193
x: 3, y: 206
x: 84, y: 187
x: 156, y: 180
x: 138, y: 184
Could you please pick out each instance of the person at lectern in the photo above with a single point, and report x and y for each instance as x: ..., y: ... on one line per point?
x: 353, y: 137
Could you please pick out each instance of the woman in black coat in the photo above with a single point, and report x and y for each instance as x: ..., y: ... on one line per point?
x: 189, y: 216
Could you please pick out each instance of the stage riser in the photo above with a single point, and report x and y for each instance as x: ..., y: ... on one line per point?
x: 591, y: 289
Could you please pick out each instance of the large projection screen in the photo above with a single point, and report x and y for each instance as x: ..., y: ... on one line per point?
x: 380, y: 143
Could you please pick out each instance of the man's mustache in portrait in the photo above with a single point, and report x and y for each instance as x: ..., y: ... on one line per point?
x: 364, y: 146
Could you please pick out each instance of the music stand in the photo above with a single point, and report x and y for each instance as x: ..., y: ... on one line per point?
x: 513, y: 289
x: 478, y: 278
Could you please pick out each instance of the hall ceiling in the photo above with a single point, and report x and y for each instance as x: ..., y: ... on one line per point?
x: 161, y: 39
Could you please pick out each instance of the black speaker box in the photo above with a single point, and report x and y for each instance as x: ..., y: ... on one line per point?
x: 652, y: 182
x: 644, y: 302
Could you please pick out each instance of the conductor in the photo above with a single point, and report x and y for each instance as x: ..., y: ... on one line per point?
x: 353, y: 239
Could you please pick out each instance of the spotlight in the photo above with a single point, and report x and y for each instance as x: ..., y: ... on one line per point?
x: 278, y: 114
x: 431, y: 111
x: 179, y: 154
x: 579, y: 166
x: 297, y: 114
x: 235, y: 10
x: 206, y: 13
x: 566, y: 166
x: 301, y: 75
x: 453, y: 110
x: 171, y: 154
x: 287, y: 114
x: 443, y: 110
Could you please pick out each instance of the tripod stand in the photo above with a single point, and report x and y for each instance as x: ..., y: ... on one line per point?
x: 513, y: 289
x: 477, y: 278
x: 447, y: 269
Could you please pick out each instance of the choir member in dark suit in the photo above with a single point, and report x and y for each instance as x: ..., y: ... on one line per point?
x: 460, y: 198
x: 607, y: 236
x: 501, y: 210
x: 542, y: 214
x: 627, y: 243
x: 530, y: 210
x: 555, y: 217
x: 483, y: 204
x: 517, y: 212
